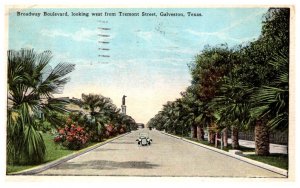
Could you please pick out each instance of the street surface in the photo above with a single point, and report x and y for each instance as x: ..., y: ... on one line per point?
x: 167, y: 156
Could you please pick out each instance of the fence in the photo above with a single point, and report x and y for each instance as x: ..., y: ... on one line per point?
x: 276, y: 137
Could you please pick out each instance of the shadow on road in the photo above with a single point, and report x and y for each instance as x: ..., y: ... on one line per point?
x: 104, y: 149
x: 106, y: 165
x: 123, y: 142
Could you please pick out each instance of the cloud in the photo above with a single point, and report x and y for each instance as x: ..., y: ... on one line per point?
x: 141, y: 62
x: 55, y: 33
x: 243, y: 20
x: 146, y: 35
x: 83, y: 35
x: 223, y: 34
x: 155, y: 38
x: 179, y: 51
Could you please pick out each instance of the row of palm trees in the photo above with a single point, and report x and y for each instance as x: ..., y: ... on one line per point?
x: 236, y: 89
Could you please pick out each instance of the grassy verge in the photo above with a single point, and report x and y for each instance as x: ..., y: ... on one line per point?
x: 229, y: 147
x: 53, y: 152
x: 274, y: 159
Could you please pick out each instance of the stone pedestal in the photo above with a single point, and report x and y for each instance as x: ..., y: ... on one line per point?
x: 123, y: 107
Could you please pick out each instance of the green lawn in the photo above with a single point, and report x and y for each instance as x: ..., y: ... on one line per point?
x: 53, y: 152
x: 241, y: 148
x: 16, y: 168
x: 274, y: 159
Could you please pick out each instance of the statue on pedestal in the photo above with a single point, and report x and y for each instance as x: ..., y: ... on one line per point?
x: 123, y: 100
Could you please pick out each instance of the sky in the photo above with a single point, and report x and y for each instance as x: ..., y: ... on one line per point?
x: 148, y: 56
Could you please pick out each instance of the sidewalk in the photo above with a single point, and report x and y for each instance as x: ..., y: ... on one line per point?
x: 274, y: 148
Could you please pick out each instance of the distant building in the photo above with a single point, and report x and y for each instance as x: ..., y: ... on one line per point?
x: 140, y: 125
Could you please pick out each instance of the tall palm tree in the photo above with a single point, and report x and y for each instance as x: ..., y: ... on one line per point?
x: 271, y: 105
x: 157, y: 121
x: 31, y: 85
x: 232, y: 106
x: 168, y: 117
x: 207, y: 120
x: 194, y: 112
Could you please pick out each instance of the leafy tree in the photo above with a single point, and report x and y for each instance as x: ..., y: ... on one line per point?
x: 207, y: 72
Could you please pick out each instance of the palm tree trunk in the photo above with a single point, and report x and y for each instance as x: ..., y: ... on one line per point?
x: 262, y: 140
x: 193, y: 131
x: 225, y: 137
x: 200, y: 133
x: 211, y: 136
x: 216, y: 139
x: 234, y: 137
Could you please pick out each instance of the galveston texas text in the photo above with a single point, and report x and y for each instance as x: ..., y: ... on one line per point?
x: 128, y: 14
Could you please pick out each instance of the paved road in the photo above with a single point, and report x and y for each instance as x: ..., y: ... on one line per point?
x: 167, y: 156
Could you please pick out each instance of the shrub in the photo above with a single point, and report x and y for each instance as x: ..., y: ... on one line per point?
x: 73, y: 137
x: 110, y: 130
x: 122, y: 129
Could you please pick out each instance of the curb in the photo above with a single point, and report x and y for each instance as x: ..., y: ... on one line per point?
x: 238, y: 157
x: 56, y: 162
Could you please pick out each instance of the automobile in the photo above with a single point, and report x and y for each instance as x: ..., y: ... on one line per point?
x: 144, y: 139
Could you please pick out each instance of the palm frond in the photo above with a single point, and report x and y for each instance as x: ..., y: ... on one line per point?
x: 34, y: 146
x: 280, y: 120
x: 56, y: 80
x: 272, y: 100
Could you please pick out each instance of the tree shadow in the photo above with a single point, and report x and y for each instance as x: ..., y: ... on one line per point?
x: 122, y: 142
x: 106, y: 165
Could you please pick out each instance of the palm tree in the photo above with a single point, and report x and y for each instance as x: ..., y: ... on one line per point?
x: 31, y: 85
x: 127, y: 121
x: 102, y: 111
x: 207, y: 120
x: 194, y: 112
x: 271, y: 105
x: 180, y: 117
x: 91, y: 101
x: 168, y: 113
x: 157, y: 121
x: 232, y: 106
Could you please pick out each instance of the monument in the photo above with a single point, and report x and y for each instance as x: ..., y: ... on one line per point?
x: 123, y: 106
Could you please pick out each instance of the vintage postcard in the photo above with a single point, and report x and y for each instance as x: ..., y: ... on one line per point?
x: 150, y: 91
